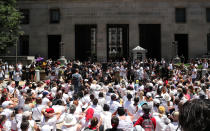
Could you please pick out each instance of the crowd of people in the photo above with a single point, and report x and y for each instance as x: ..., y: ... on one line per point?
x: 147, y: 95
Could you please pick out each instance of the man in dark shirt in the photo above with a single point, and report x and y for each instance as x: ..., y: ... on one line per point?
x: 76, y: 81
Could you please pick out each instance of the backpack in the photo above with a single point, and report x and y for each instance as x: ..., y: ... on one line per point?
x: 148, y: 125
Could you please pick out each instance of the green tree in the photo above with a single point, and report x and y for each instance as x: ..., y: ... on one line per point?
x: 10, y: 19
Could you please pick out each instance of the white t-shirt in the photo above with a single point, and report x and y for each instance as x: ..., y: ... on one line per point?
x: 45, y: 101
x: 37, y: 111
x: 106, y: 117
x: 160, y: 122
x: 1, y: 73
x: 101, y: 101
x: 172, y: 127
x: 127, y: 105
x: 126, y: 125
x: 51, y: 122
x: 84, y: 123
x: 62, y: 109
x: 72, y: 128
x: 31, y: 125
x: 97, y: 110
x: 113, y: 106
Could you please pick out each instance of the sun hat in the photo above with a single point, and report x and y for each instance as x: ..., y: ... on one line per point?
x: 167, y: 97
x: 89, y: 114
x: 69, y: 120
x: 156, y: 101
x: 46, y: 128
x: 27, y: 113
x: 148, y: 95
x: 5, y: 104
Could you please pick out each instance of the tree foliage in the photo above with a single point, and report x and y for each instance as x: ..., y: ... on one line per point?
x: 10, y: 19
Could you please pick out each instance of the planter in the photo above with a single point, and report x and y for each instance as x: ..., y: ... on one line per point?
x: 42, y: 75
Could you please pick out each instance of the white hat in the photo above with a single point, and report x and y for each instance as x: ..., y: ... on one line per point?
x: 156, y: 101
x: 6, y: 103
x: 27, y: 113
x: 150, y: 84
x: 149, y: 94
x: 46, y: 128
x: 167, y: 97
x: 70, y: 120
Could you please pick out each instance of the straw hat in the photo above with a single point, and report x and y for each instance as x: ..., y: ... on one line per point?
x: 70, y: 120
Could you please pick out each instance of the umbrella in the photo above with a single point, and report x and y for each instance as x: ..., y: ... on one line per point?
x: 39, y: 59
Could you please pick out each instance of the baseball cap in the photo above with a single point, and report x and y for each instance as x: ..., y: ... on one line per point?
x: 49, y: 110
x: 89, y: 114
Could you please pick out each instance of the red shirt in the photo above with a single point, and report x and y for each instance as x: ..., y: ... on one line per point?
x: 141, y: 119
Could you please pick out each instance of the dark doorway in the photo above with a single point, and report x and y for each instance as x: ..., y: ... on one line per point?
x: 54, y: 46
x: 24, y: 45
x: 182, y: 41
x: 117, y: 41
x: 85, y: 42
x: 150, y: 39
x: 208, y: 41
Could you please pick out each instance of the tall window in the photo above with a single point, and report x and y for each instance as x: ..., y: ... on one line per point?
x: 93, y: 42
x: 54, y: 16
x: 180, y: 15
x: 208, y: 14
x: 115, y: 42
x: 24, y: 45
x: 208, y: 42
x: 26, y: 16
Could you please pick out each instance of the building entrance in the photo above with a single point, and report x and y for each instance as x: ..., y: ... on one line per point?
x: 85, y: 42
x: 117, y: 41
x: 54, y: 46
x: 150, y: 39
x: 182, y: 41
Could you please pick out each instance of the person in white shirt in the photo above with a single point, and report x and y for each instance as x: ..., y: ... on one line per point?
x: 161, y: 119
x: 97, y: 108
x: 174, y: 125
x: 106, y: 117
x: 59, y: 107
x: 85, y: 121
x: 205, y: 64
x: 114, y: 104
x: 70, y: 123
x: 50, y: 118
x: 37, y: 110
x: 125, y: 122
x: 45, y: 100
x: 17, y: 74
x: 127, y: 105
x: 1, y: 75
x: 101, y: 99
x: 27, y: 117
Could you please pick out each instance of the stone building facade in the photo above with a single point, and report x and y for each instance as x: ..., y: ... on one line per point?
x: 112, y: 28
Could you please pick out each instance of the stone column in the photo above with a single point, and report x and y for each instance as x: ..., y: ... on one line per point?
x: 133, y: 36
x: 101, y: 43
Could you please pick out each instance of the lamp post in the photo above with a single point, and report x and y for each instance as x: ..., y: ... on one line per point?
x: 176, y: 59
x: 62, y: 57
x: 61, y: 49
x: 16, y: 51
